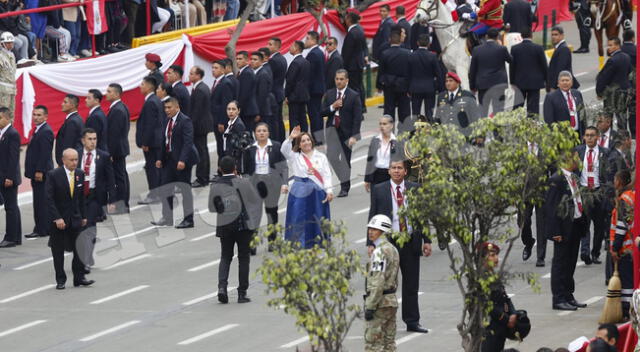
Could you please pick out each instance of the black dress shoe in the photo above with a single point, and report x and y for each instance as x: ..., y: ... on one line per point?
x: 83, y: 282
x: 417, y: 328
x: 185, y: 224
x: 7, y: 244
x: 526, y: 252
x: 596, y: 260
x: 564, y: 306
x: 586, y: 258
x: 242, y: 298
x: 198, y: 184
x: 60, y: 287
x: 581, y: 51
x: 575, y: 303
x: 222, y: 296
x: 540, y: 263
x: 343, y: 193
x: 162, y: 223
x: 34, y: 235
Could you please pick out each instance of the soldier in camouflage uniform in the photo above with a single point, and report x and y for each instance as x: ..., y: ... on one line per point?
x: 7, y: 72
x: 380, y: 302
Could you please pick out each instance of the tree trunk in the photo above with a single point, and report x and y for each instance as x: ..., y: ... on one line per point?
x: 317, y: 14
x: 230, y: 48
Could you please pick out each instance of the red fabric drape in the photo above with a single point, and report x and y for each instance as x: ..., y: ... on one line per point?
x: 545, y: 7
x: 371, y: 16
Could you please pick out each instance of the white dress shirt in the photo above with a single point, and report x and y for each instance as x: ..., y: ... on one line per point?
x: 383, y: 154
x: 69, y: 114
x: 224, y: 135
x: 68, y: 173
x: 298, y: 166
x: 341, y: 92
x: 2, y: 131
x: 585, y: 167
x: 147, y: 96
x: 607, y: 138
x: 396, y: 219
x: 92, y: 167
x: 38, y: 127
x: 574, y: 194
x: 114, y: 103
x: 166, y: 130
x: 92, y: 109
x: 262, y: 158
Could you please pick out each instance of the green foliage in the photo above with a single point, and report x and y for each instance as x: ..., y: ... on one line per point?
x: 313, y: 285
x: 472, y: 193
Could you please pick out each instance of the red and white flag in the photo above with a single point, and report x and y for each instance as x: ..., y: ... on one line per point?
x: 96, y: 17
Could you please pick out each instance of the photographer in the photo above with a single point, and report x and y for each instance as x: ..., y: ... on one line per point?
x: 234, y: 138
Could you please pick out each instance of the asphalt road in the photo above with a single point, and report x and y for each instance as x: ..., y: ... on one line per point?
x: 155, y: 289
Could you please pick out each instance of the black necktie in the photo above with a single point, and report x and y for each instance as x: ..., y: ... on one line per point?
x: 451, y: 98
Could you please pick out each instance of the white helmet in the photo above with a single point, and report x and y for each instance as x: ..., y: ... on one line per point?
x: 7, y: 37
x: 380, y: 222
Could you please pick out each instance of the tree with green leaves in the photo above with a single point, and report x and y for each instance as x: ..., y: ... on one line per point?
x: 314, y: 285
x: 472, y: 193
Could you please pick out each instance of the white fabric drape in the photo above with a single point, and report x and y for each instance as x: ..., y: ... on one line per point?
x: 28, y: 99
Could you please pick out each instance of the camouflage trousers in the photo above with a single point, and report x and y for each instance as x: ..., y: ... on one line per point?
x: 9, y: 101
x: 380, y: 333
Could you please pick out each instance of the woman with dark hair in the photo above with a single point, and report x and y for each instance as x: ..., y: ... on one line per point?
x: 381, y: 151
x: 311, y: 192
x: 267, y: 167
x: 233, y: 133
x: 164, y: 91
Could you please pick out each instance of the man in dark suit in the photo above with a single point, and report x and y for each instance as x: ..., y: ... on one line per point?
x: 457, y: 106
x: 607, y: 136
x: 387, y: 198
x: 560, y: 60
x: 10, y: 178
x: 237, y: 204
x: 583, y: 19
x: 488, y: 74
x: 118, y: 147
x: 278, y: 65
x: 341, y: 105
x: 70, y: 132
x: 37, y: 164
x: 222, y: 92
x: 264, y: 89
x: 334, y: 62
x: 297, y: 87
x: 174, y: 77
x: 393, y: 75
x: 565, y: 225
x: 355, y: 53
x: 202, y: 123
x: 176, y: 158
x: 149, y: 136
x: 98, y: 188
x: 517, y: 15
x: 565, y: 104
x: 402, y: 22
x: 528, y: 71
x: 315, y: 57
x: 67, y: 214
x: 621, y: 152
x: 383, y: 34
x: 247, y: 93
x: 612, y: 82
x: 97, y: 120
x: 424, y: 78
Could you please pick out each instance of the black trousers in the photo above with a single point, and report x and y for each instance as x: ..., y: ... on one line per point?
x: 268, y: 187
x: 429, y: 100
x: 355, y: 83
x: 563, y: 264
x: 151, y: 171
x: 121, y: 177
x: 86, y: 240
x: 203, y: 169
x: 228, y: 240
x: 585, y: 32
x: 57, y: 242
x: 410, y: 269
x: 219, y: 143
x: 393, y: 100
x: 493, y: 97
x: 298, y: 116
x: 632, y: 112
x: 527, y: 232
x: 40, y: 217
x: 494, y: 340
x: 313, y: 107
x: 600, y: 218
x: 249, y: 122
x: 532, y: 99
x: 278, y: 133
x: 171, y: 178
x: 12, y: 213
x: 339, y: 155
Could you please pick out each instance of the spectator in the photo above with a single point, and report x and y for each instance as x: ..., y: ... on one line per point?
x: 197, y: 13
x: 233, y: 7
x: 73, y: 17
x: 10, y: 24
x: 54, y: 30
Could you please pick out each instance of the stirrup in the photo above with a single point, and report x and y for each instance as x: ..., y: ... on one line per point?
x: 587, y: 22
x: 626, y: 24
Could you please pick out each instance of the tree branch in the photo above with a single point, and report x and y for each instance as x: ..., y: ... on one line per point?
x: 230, y: 48
x: 365, y: 4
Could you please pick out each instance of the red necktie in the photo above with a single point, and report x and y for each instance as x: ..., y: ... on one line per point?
x: 603, y: 139
x: 571, y: 115
x: 169, y: 132
x: 574, y: 186
x: 400, y: 202
x: 87, y: 173
x: 32, y: 132
x: 215, y: 84
x: 590, y: 180
x: 336, y: 117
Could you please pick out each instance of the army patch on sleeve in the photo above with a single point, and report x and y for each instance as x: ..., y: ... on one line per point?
x: 378, y: 263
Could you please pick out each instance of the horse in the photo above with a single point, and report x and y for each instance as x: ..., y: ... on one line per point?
x: 607, y: 15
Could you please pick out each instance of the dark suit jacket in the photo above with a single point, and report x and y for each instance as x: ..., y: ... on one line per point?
x: 298, y: 75
x: 416, y: 30
x: 118, y: 130
x: 407, y: 30
x: 184, y: 100
x: 393, y: 72
x: 237, y: 203
x: 615, y: 73
x: 488, y: 65
x: 157, y: 75
x: 247, y: 93
x: 381, y: 36
x: 105, y: 186
x: 529, y: 67
x: 558, y: 207
x: 372, y: 156
x: 69, y: 135
x: 350, y: 112
x: 38, y: 158
x: 221, y: 95
x: 354, y: 49
x: 630, y: 49
x: 560, y: 61
x: 382, y: 203
x: 10, y: 156
x: 149, y: 125
x: 333, y: 64
x: 98, y: 121
x: 182, y: 147
x: 555, y: 108
x: 60, y: 203
x: 518, y: 14
x: 277, y: 162
x: 315, y: 57
x: 201, y: 110
x: 278, y: 66
x: 462, y: 112
x: 424, y: 72
x: 236, y: 130
x: 264, y: 98
x: 619, y: 161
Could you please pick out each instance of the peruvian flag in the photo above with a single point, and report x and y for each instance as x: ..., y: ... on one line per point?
x: 96, y: 17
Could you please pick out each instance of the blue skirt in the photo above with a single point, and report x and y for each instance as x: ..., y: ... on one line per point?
x: 305, y: 212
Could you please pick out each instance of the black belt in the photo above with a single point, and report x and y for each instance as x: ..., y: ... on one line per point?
x: 389, y: 291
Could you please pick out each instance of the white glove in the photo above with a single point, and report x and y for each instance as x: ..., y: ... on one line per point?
x: 466, y: 16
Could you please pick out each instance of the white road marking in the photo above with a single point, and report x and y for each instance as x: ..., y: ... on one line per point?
x: 420, y: 293
x: 359, y: 184
x: 587, y: 89
x: 355, y: 160
x: 548, y: 275
x: 409, y: 337
x: 205, y: 297
x: 566, y: 312
x: 110, y: 331
x: 37, y: 262
x: 127, y: 261
x: 120, y: 294
x: 207, y: 334
x: 361, y: 211
x: 295, y: 342
x: 580, y: 74
x: 210, y: 234
x: 21, y: 327
x: 453, y: 241
x: 362, y: 240
x: 28, y: 293
x: 118, y: 238
x: 204, y: 266
x: 510, y: 295
x: 593, y: 300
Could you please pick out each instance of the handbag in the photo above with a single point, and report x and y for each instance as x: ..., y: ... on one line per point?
x: 522, y: 328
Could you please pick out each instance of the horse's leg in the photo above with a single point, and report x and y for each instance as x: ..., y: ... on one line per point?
x: 462, y: 69
x: 598, y: 33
